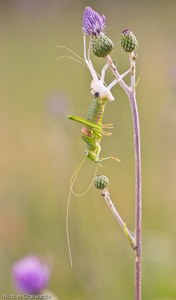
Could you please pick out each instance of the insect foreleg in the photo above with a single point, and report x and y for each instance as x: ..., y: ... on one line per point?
x: 99, y: 160
x: 90, y: 141
x: 93, y: 148
x: 107, y: 125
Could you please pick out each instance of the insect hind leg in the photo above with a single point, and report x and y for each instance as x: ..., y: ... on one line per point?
x: 115, y: 81
x: 88, y: 60
x: 103, y: 72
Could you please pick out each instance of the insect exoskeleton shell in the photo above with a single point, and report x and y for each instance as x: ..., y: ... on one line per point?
x: 101, y: 89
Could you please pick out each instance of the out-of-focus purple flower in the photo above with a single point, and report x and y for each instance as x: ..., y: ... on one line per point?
x: 30, y: 275
x: 57, y: 104
x: 93, y: 23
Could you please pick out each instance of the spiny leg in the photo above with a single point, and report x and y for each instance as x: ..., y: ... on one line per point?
x: 115, y: 81
x: 99, y: 160
x: 89, y: 49
x: 107, y: 125
x: 106, y: 133
x: 96, y: 79
x: 103, y: 72
x: 88, y: 61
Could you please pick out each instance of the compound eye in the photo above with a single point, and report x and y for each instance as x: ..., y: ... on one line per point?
x: 97, y: 95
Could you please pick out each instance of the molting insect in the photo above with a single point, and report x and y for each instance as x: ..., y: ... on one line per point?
x: 93, y: 130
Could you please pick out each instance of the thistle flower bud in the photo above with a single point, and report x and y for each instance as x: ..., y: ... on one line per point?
x: 101, y: 45
x: 129, y: 42
x: 101, y: 182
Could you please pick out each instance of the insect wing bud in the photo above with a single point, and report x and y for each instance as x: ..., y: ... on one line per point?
x: 101, y: 182
x: 129, y: 42
x: 101, y: 45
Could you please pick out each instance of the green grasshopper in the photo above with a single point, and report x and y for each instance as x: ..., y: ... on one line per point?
x: 93, y: 130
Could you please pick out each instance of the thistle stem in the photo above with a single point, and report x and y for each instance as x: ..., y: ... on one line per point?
x: 130, y: 91
x: 138, y: 208
x: 116, y: 214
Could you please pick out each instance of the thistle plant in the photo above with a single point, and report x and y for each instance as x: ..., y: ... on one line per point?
x: 100, y: 45
x: 93, y: 26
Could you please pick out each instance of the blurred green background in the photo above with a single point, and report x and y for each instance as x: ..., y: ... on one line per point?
x: 40, y: 148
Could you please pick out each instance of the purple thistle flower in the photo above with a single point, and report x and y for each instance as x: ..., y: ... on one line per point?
x: 30, y: 275
x: 93, y: 23
x: 126, y: 31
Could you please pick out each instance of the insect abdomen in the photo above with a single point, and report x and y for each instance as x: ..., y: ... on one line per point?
x: 96, y: 110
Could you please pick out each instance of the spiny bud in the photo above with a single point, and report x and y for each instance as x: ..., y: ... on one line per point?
x: 101, y: 45
x: 129, y: 42
x: 101, y: 182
